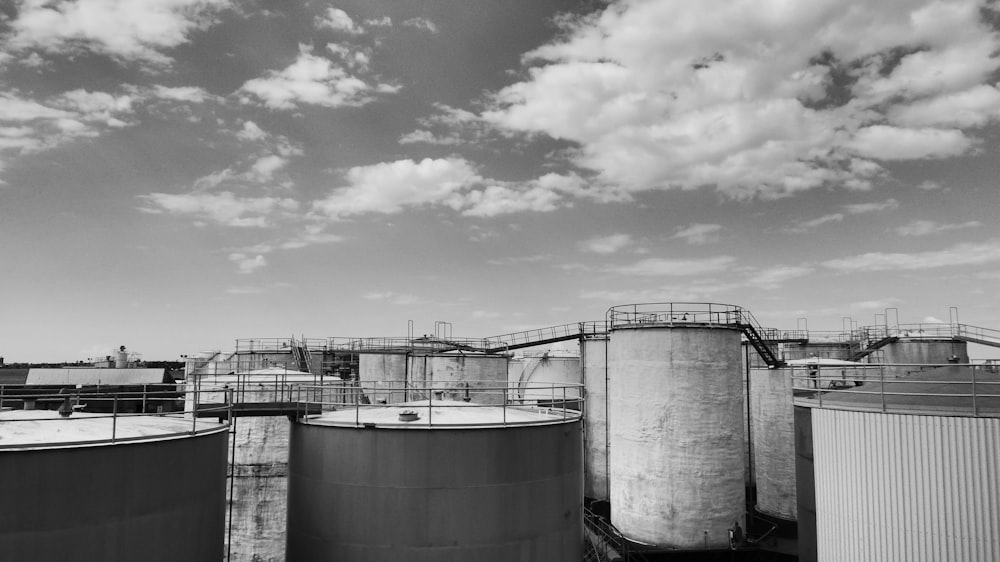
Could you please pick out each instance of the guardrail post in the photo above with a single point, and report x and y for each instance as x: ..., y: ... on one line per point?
x: 114, y: 418
x: 881, y: 389
x: 974, y: 409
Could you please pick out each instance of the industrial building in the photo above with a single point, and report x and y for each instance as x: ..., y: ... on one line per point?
x: 677, y: 431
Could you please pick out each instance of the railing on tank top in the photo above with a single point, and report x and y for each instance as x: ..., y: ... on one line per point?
x: 556, y: 402
x: 971, y: 389
x: 111, y: 407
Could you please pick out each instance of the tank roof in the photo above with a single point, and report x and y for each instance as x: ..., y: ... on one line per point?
x: 947, y: 390
x: 37, y: 429
x: 443, y: 414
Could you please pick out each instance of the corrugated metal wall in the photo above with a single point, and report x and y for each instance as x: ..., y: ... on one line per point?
x: 906, y: 487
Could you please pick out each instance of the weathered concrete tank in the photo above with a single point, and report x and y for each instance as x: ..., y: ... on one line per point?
x: 676, y: 450
x: 532, y: 376
x: 593, y: 356
x: 773, y: 429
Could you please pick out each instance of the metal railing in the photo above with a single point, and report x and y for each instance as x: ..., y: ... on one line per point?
x: 677, y: 312
x: 605, y: 543
x: 110, y: 415
x: 276, y: 345
x: 951, y: 389
x: 552, y: 402
x: 932, y: 330
x: 547, y: 334
x: 430, y: 344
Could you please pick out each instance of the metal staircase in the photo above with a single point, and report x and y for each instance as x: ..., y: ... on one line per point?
x: 754, y: 334
x: 873, y: 347
x: 301, y: 356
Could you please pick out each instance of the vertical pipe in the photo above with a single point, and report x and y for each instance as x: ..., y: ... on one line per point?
x: 746, y: 353
x: 114, y: 418
x: 232, y: 480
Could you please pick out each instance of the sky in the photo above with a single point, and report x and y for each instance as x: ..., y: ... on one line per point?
x: 177, y: 174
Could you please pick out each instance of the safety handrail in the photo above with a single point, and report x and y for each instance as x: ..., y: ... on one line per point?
x: 855, y: 386
x: 558, y: 402
x: 72, y: 406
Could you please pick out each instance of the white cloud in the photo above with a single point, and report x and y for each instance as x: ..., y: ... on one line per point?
x: 265, y: 167
x: 190, y: 94
x: 28, y: 125
x: 874, y: 207
x: 422, y: 24
x: 776, y: 276
x: 390, y: 187
x: 699, y: 233
x: 222, y: 208
x: 925, y: 227
x: 802, y: 226
x: 884, y: 142
x: 974, y: 107
x: 928, y: 185
x: 251, y: 132
x: 965, y: 254
x: 312, y: 80
x: 247, y: 264
x: 127, y: 31
x: 675, y: 267
x: 606, y: 244
x: 877, y: 304
x: 338, y: 20
x: 244, y: 290
x: 400, y: 299
x: 754, y: 100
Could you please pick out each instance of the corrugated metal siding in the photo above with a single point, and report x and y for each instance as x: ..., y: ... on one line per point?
x: 906, y: 487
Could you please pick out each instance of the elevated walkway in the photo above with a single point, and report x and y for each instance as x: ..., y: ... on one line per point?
x: 542, y: 336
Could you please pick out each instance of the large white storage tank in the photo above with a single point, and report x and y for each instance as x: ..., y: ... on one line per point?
x: 908, y: 470
x: 436, y: 481
x: 772, y: 431
x: 111, y: 488
x: 675, y: 413
x: 533, y: 374
x: 594, y: 356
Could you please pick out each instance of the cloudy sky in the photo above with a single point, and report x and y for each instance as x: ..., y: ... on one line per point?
x: 176, y: 174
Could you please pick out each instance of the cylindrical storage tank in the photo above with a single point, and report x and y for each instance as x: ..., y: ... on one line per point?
x: 773, y: 431
x: 911, y: 352
x: 461, y: 482
x: 155, y: 492
x: 455, y: 375
x: 388, y: 368
x: 532, y: 377
x: 676, y: 447
x: 594, y: 356
x: 121, y: 358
